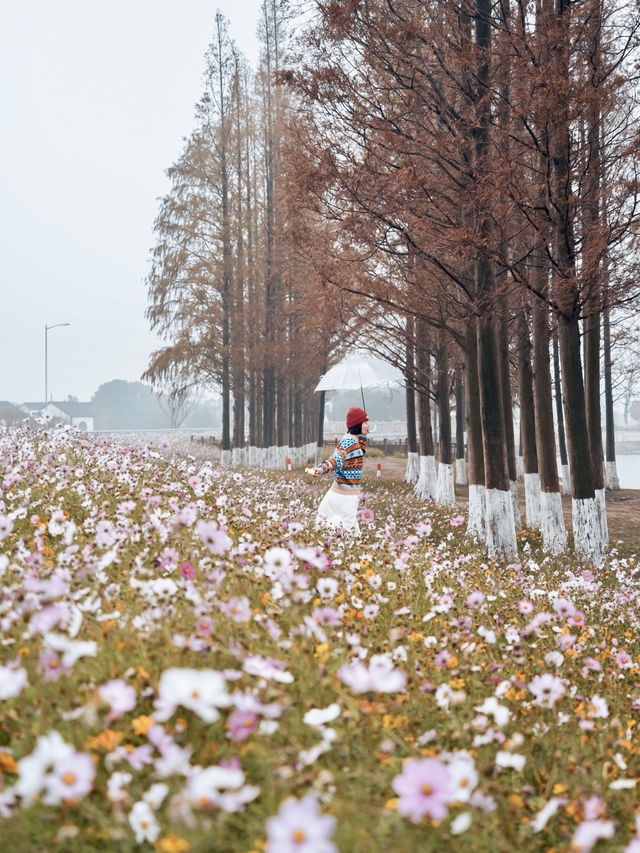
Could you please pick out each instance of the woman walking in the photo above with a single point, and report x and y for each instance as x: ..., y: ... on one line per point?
x: 339, y: 506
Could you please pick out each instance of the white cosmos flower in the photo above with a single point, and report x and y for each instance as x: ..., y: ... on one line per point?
x: 57, y: 523
x: 461, y: 823
x: 511, y: 760
x: 320, y: 716
x: 71, y: 650
x: 12, y: 681
x: 328, y: 588
x: 463, y: 775
x: 205, y: 785
x: 34, y: 768
x: 267, y: 668
x: 546, y: 812
x: 201, y: 690
x: 143, y: 822
x: 500, y: 713
x: 156, y: 794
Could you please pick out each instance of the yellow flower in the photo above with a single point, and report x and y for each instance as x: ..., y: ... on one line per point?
x: 173, y: 844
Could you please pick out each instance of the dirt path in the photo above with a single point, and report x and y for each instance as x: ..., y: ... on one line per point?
x: 623, y: 507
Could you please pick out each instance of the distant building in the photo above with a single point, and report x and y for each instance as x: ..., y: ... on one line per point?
x: 32, y: 409
x: 9, y: 413
x: 76, y: 414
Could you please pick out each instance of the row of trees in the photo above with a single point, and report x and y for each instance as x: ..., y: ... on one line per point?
x: 239, y: 306
x: 455, y: 183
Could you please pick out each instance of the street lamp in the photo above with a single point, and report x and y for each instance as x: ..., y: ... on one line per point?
x: 46, y: 381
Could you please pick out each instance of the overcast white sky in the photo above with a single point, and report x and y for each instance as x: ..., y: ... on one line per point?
x: 95, y: 99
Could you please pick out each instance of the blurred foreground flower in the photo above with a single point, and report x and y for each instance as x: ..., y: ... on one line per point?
x: 201, y: 690
x: 299, y: 827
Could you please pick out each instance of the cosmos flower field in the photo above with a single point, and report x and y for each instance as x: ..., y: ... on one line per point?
x: 187, y: 663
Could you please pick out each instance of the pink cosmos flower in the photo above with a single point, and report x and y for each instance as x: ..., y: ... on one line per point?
x: 47, y: 618
x: 366, y: 515
x: 6, y: 526
x: 51, y: 666
x: 423, y: 528
x: 624, y: 659
x: 424, y: 788
x: 71, y: 779
x: 474, y: 599
x: 564, y: 608
x: 577, y: 619
x: 370, y: 611
x: 547, y: 689
x: 525, y: 607
x: 379, y: 677
x: 299, y: 827
x: 216, y: 539
x: 120, y: 696
x: 241, y: 724
x: 589, y: 832
x: 237, y: 608
x: 326, y: 616
x: 456, y: 521
x: 187, y: 570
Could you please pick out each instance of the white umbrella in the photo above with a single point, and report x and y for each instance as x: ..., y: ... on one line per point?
x: 360, y: 371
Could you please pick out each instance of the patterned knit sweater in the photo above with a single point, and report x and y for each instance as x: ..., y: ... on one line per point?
x: 347, y: 461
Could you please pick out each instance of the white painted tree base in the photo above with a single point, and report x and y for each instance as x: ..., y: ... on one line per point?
x: 602, y: 515
x: 587, y: 529
x: 554, y: 533
x: 412, y: 471
x: 475, y: 524
x: 445, y: 492
x: 461, y: 472
x: 426, y: 484
x: 532, y: 499
x: 237, y: 456
x: 566, y: 480
x: 225, y: 457
x: 611, y: 480
x: 319, y: 455
x: 515, y: 503
x: 500, y: 523
x: 519, y: 467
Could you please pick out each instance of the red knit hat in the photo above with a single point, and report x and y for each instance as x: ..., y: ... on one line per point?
x: 356, y: 416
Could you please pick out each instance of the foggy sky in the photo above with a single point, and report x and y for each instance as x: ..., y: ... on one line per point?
x: 95, y: 99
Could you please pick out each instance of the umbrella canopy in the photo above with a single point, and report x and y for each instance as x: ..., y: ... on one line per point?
x: 360, y: 371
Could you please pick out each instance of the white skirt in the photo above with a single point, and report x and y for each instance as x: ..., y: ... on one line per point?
x: 339, y: 510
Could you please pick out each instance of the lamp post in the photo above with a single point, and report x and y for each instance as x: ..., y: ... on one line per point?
x: 46, y: 380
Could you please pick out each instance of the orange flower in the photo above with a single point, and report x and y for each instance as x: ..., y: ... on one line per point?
x: 106, y: 740
x: 142, y: 724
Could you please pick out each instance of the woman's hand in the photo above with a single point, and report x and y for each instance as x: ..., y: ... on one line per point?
x: 312, y: 472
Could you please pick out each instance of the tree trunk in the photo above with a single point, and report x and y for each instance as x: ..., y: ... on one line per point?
x: 587, y: 525
x: 413, y: 460
x: 499, y: 518
x: 425, y: 486
x: 445, y: 494
x: 612, y: 481
x: 527, y: 423
x: 562, y: 441
x: 461, y: 470
x: 554, y: 535
x: 475, y: 525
